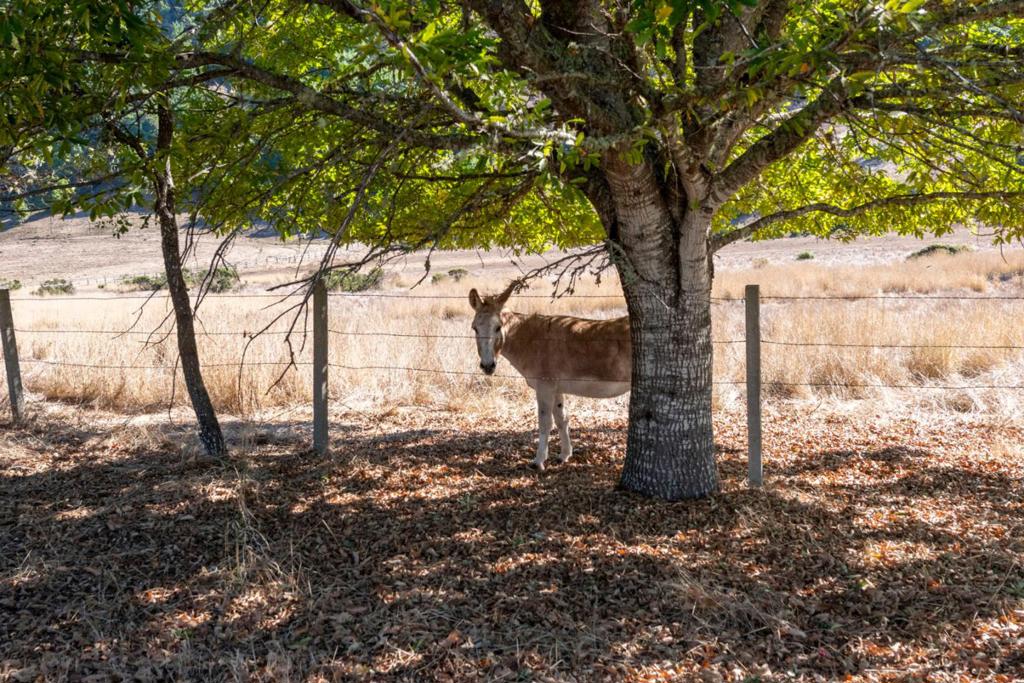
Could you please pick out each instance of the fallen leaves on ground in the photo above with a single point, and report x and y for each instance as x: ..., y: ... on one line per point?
x: 424, y: 548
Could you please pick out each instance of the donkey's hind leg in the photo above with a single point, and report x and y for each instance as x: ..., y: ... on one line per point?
x: 563, y: 428
x: 545, y: 404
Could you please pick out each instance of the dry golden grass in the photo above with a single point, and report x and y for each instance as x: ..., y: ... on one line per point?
x: 972, y: 272
x: 439, y: 342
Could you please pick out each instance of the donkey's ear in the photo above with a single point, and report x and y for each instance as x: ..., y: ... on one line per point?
x: 474, y: 299
x: 503, y: 297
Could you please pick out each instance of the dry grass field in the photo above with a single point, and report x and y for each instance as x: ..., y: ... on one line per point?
x: 886, y: 545
x: 414, y: 348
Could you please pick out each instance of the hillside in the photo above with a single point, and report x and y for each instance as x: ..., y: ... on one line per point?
x: 89, y: 255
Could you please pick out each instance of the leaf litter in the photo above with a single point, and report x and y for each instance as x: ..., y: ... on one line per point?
x: 424, y: 548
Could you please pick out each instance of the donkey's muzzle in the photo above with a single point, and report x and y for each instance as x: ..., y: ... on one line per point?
x: 488, y: 367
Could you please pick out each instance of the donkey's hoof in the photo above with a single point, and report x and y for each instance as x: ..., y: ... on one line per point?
x: 539, y: 466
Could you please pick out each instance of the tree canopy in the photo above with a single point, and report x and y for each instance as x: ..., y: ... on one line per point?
x: 478, y: 124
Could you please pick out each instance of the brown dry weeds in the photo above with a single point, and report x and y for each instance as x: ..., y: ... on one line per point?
x: 423, y: 548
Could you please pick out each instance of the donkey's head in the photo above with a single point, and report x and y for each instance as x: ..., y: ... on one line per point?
x: 487, y: 326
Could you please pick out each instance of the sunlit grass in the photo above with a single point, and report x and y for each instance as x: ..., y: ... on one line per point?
x: 433, y: 334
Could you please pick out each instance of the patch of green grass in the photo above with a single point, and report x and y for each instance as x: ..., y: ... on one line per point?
x: 804, y: 256
x: 438, y: 278
x: 457, y: 273
x: 347, y: 281
x: 55, y: 287
x: 10, y: 284
x: 932, y: 249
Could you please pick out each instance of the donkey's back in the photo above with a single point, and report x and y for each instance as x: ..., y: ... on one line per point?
x: 580, y: 356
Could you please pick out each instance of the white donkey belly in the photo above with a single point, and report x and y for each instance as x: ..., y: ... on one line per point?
x: 588, y: 388
x: 591, y: 388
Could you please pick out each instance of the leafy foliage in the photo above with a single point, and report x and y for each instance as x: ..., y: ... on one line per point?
x: 224, y: 279
x: 445, y: 140
x: 663, y: 130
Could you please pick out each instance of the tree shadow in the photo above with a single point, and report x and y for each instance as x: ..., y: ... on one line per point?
x: 834, y: 459
x: 428, y: 553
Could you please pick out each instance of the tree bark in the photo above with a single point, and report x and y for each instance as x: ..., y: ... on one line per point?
x: 670, y: 445
x: 665, y: 268
x: 210, y: 434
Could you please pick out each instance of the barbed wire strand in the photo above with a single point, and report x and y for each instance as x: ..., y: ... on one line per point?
x: 93, y: 366
x: 410, y: 335
x: 121, y: 333
x: 333, y: 295
x: 341, y: 366
x: 893, y: 386
x: 460, y: 297
x: 845, y: 345
x: 888, y: 297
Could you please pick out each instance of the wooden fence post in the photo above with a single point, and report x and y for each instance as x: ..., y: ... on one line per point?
x: 14, y: 387
x: 320, y: 367
x: 752, y: 300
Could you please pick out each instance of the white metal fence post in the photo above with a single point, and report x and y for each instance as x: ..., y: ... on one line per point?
x: 752, y: 301
x: 14, y: 387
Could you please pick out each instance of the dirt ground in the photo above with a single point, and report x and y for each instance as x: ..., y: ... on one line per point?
x: 883, y: 547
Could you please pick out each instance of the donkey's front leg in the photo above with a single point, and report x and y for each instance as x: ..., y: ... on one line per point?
x: 545, y: 404
x: 563, y: 428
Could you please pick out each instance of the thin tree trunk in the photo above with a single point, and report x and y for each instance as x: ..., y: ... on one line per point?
x: 210, y: 434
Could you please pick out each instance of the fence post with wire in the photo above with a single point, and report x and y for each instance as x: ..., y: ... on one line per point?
x: 752, y: 322
x: 15, y: 390
x: 320, y: 363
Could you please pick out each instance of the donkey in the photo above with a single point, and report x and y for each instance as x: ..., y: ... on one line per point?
x: 557, y: 355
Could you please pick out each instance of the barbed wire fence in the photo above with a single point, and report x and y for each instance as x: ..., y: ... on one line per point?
x: 753, y: 342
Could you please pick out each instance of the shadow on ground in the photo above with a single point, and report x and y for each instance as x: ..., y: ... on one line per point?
x: 425, y: 553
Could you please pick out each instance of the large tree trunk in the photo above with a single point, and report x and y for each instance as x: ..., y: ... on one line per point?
x: 210, y: 434
x: 665, y: 269
x: 670, y: 448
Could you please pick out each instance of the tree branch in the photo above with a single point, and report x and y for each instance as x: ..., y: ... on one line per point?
x: 789, y: 135
x: 314, y: 99
x: 528, y: 48
x: 748, y: 230
x: 968, y: 12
